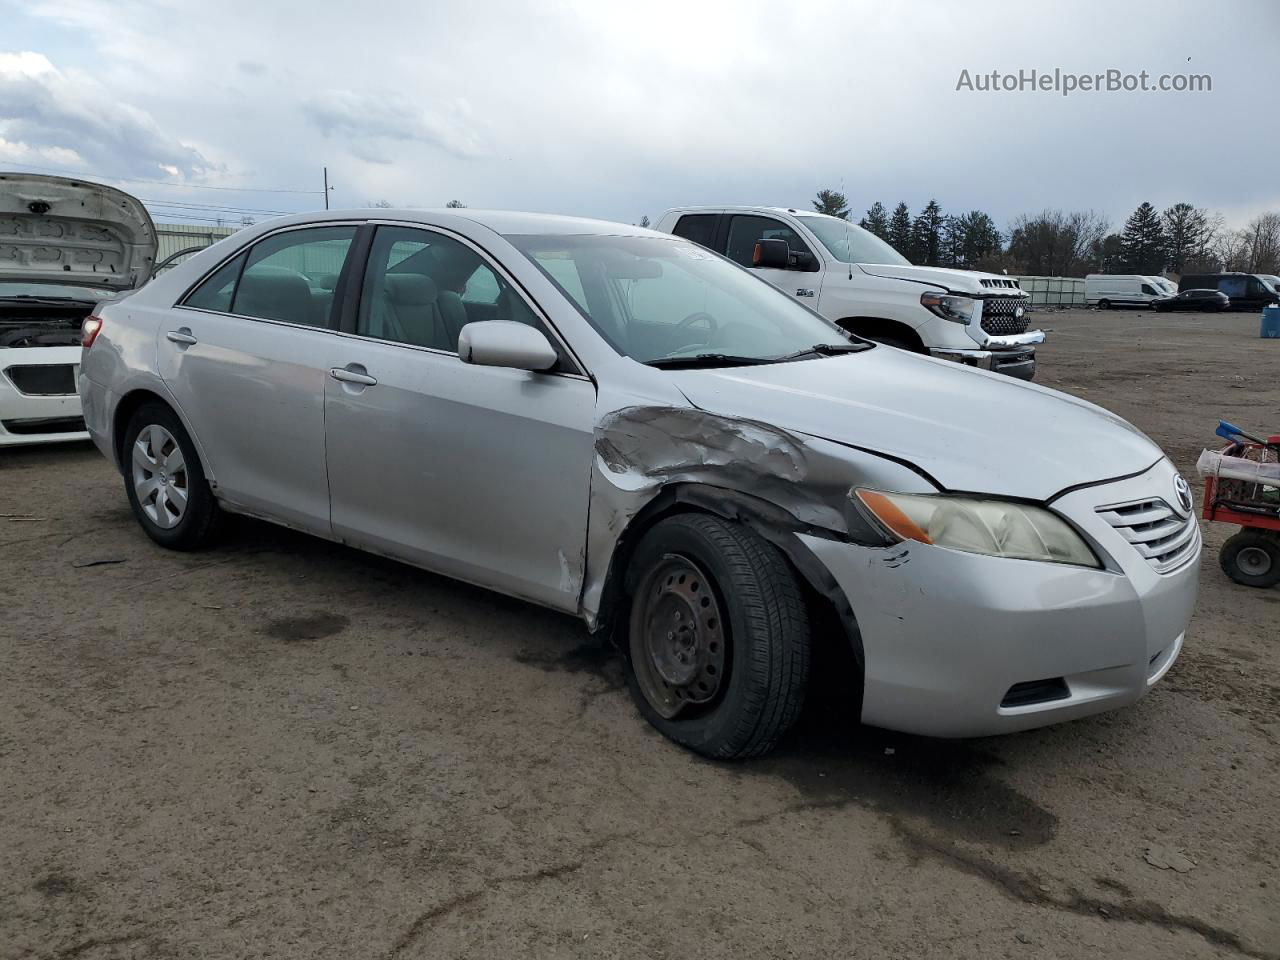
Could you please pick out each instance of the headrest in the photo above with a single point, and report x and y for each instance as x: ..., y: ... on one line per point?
x: 409, y: 289
x: 275, y: 293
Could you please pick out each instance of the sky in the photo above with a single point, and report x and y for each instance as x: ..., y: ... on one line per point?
x: 617, y: 110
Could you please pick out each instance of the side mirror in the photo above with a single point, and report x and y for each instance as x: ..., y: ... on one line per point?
x: 774, y: 254
x: 505, y: 343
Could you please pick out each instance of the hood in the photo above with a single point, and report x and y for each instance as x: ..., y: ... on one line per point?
x: 956, y: 281
x: 56, y: 230
x: 971, y: 431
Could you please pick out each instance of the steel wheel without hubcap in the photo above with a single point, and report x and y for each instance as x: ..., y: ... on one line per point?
x: 160, y: 476
x: 678, y: 645
x: 1254, y: 561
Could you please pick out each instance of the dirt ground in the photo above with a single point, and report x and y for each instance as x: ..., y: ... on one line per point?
x: 284, y: 748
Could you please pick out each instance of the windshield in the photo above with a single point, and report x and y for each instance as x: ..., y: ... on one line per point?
x: 656, y: 299
x: 851, y: 244
x: 11, y: 288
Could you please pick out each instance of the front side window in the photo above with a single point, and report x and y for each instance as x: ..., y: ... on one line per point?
x: 744, y: 231
x: 421, y: 288
x: 664, y: 298
x: 1148, y: 289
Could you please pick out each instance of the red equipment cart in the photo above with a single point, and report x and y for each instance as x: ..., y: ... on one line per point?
x: 1252, y: 556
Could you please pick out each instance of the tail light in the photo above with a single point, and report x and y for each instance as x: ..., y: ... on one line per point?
x: 89, y: 331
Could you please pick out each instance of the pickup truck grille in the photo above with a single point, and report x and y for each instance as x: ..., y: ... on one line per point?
x: 1000, y: 315
x: 1161, y: 536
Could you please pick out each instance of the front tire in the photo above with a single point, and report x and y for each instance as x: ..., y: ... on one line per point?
x: 1104, y: 304
x: 165, y: 480
x: 718, y: 637
x: 1252, y: 558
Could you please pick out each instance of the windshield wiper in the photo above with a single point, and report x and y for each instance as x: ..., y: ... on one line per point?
x: 706, y: 360
x: 828, y: 350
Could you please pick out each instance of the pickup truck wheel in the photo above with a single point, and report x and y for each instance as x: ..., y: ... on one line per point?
x: 165, y: 481
x: 1252, y: 558
x: 718, y: 637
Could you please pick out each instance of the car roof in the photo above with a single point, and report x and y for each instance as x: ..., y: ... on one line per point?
x: 749, y: 208
x: 504, y: 222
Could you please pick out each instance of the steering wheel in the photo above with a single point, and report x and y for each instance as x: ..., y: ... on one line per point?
x: 697, y: 315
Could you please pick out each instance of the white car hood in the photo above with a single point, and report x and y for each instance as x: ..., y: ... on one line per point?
x: 957, y: 281
x: 58, y: 230
x: 971, y: 431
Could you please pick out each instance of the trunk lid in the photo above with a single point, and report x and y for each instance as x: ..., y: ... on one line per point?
x: 64, y: 231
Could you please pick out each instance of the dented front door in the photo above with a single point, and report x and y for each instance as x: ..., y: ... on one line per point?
x: 480, y: 473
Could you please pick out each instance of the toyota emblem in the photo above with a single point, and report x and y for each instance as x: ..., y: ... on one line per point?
x: 1182, y: 493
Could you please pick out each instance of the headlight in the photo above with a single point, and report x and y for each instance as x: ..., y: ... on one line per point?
x: 994, y: 528
x: 948, y: 306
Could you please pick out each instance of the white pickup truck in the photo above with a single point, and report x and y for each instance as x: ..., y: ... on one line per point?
x: 854, y: 278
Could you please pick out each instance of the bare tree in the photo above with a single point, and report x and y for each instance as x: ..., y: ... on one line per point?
x: 1057, y: 244
x: 381, y: 204
x: 455, y: 205
x: 1263, y: 233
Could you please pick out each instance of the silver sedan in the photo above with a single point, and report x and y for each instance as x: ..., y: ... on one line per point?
x: 625, y: 426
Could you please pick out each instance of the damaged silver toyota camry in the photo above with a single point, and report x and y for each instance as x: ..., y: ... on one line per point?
x: 625, y: 426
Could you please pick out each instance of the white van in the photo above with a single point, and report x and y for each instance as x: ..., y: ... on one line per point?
x: 1107, y: 290
x: 858, y: 281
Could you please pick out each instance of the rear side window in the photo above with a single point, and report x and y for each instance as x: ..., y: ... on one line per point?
x: 287, y: 276
x: 218, y: 288
x: 290, y: 277
x: 698, y: 227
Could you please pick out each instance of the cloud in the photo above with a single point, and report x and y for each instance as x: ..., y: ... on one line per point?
x: 55, y: 115
x: 360, y: 117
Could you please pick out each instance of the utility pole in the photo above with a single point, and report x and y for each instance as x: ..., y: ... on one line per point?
x: 326, y: 188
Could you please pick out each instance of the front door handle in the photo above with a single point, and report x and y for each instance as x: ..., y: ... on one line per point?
x: 347, y: 375
x: 182, y: 336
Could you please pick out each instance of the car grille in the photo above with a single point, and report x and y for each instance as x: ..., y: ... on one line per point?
x: 1164, y: 538
x: 44, y: 380
x: 1000, y: 315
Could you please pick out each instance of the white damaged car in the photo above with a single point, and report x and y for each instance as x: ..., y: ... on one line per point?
x: 65, y: 247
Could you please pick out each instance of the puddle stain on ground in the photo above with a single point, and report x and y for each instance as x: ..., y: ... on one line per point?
x: 313, y: 627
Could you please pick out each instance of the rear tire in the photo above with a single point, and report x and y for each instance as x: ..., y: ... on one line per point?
x: 718, y: 637
x: 165, y: 480
x: 1252, y: 558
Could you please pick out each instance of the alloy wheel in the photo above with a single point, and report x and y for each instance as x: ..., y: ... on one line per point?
x: 160, y: 476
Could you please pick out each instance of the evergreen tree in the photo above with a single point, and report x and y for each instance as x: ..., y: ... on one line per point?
x: 1186, y: 232
x: 899, y: 235
x: 926, y: 236
x: 1143, y: 241
x: 953, y: 242
x: 833, y: 203
x: 981, y: 238
x: 876, y: 221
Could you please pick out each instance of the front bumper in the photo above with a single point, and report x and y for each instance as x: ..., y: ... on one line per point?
x: 1019, y: 362
x: 33, y: 408
x: 953, y: 643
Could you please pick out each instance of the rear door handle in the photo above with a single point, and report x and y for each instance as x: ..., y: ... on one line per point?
x: 182, y: 336
x: 347, y: 375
